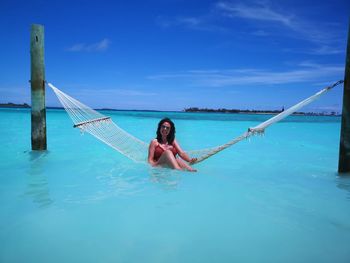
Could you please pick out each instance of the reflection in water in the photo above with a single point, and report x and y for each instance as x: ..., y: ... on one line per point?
x: 102, y: 183
x: 166, y: 177
x: 121, y: 180
x: 343, y: 182
x: 37, y: 184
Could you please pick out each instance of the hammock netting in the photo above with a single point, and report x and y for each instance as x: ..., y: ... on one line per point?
x: 103, y: 128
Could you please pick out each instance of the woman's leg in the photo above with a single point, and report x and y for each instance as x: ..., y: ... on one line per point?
x: 184, y: 165
x: 168, y: 158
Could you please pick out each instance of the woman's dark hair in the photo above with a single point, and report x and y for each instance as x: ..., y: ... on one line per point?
x: 171, y: 136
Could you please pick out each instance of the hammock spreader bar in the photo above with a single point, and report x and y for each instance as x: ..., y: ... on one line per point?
x: 90, y: 121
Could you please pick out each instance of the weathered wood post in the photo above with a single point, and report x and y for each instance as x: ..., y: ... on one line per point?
x: 344, y: 150
x: 38, y: 88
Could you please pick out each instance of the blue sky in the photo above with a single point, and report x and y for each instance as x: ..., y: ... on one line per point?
x: 174, y: 54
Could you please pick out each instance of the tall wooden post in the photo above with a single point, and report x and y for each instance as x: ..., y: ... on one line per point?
x: 38, y: 88
x: 344, y: 151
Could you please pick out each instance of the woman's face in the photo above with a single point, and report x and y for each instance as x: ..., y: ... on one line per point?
x: 165, y: 128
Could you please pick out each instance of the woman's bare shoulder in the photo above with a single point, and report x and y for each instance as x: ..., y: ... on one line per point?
x: 153, y: 142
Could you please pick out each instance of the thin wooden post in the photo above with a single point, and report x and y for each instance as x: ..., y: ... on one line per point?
x: 38, y: 88
x: 344, y: 150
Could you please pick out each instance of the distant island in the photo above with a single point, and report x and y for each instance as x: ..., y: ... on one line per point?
x: 14, y: 105
x: 24, y: 105
x: 195, y: 109
x: 192, y: 109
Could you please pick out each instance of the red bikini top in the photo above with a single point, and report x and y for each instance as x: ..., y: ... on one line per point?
x: 158, y: 151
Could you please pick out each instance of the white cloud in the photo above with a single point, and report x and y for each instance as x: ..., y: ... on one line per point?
x: 105, y: 97
x: 130, y: 92
x: 260, y: 33
x: 268, y: 20
x: 263, y: 13
x: 114, y: 93
x: 307, y: 72
x: 94, y: 47
x: 322, y: 34
x: 326, y: 50
x: 190, y: 22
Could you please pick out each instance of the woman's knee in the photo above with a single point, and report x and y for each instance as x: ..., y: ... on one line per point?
x: 168, y: 153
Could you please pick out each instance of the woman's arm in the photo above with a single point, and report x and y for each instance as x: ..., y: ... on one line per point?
x: 182, y: 154
x: 151, y: 150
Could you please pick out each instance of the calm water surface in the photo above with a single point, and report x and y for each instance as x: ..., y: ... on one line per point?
x: 275, y: 198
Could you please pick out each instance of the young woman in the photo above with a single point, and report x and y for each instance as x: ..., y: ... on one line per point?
x: 164, y: 149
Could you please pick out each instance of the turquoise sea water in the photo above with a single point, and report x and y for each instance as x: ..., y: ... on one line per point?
x: 275, y: 198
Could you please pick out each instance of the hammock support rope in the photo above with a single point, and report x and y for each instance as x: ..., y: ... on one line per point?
x: 104, y: 129
x: 260, y: 129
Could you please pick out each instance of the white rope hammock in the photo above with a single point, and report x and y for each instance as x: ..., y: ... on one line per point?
x: 104, y: 129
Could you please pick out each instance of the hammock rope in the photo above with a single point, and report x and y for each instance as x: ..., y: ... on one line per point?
x: 260, y: 129
x: 103, y: 128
